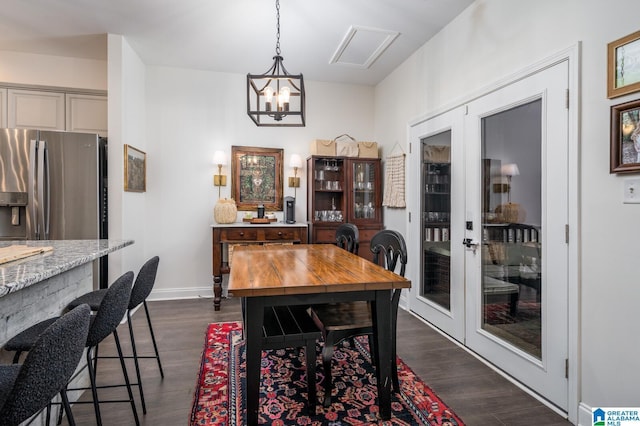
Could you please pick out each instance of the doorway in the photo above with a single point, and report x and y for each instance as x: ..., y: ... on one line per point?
x: 494, y: 210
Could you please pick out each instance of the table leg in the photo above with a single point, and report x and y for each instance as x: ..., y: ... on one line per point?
x: 382, y: 343
x: 254, y: 315
x: 217, y: 292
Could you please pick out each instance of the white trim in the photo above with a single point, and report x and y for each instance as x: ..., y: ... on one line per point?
x: 571, y: 54
x: 573, y: 169
x: 585, y: 415
x: 181, y: 293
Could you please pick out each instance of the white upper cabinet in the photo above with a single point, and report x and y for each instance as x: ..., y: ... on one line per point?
x: 36, y: 109
x: 86, y: 114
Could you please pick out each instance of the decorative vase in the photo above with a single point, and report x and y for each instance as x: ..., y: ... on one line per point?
x: 225, y: 211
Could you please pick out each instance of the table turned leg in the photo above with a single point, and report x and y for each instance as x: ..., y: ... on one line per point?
x: 254, y: 318
x: 381, y: 314
x: 217, y: 292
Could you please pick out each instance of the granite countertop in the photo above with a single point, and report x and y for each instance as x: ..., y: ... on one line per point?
x: 66, y: 255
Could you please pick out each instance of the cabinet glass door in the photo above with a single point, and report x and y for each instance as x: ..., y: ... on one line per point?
x: 365, y: 206
x: 328, y: 187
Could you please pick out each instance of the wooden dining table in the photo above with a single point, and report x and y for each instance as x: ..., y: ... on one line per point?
x: 305, y: 274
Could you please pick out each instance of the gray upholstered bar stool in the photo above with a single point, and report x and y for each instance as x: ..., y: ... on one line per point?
x: 104, y: 323
x: 27, y: 389
x: 141, y: 289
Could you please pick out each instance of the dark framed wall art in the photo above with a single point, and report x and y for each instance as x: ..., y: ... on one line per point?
x: 625, y: 137
x: 257, y: 177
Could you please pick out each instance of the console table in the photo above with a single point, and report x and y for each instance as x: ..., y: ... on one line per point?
x: 225, y: 235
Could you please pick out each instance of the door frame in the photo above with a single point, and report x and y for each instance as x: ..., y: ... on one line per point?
x: 572, y: 55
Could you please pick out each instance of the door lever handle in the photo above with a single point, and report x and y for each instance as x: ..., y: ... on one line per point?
x: 471, y: 244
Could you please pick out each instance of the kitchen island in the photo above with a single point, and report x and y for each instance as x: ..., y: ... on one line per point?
x: 40, y: 286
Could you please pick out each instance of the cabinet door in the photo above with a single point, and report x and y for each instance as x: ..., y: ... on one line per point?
x: 326, y: 199
x: 365, y: 186
x: 36, y: 109
x: 86, y: 113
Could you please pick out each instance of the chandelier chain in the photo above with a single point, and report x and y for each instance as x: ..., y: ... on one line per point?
x: 278, y: 27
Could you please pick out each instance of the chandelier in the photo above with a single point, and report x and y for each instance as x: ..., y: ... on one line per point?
x: 276, y: 98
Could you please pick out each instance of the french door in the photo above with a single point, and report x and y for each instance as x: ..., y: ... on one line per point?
x: 440, y: 171
x: 499, y: 282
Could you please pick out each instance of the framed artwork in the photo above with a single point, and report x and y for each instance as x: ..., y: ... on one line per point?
x: 625, y: 137
x: 135, y: 169
x: 256, y: 177
x: 623, y: 66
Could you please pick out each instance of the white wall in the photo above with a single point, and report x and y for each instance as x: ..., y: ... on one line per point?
x: 496, y: 38
x: 127, y: 125
x: 47, y: 70
x: 191, y: 114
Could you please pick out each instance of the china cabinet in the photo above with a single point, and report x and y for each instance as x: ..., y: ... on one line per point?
x: 344, y: 190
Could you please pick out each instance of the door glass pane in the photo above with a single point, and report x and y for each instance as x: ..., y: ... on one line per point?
x: 512, y: 218
x: 436, y: 211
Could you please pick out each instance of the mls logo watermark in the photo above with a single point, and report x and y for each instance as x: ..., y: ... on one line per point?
x: 617, y: 416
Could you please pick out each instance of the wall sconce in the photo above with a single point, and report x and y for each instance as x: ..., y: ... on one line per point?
x: 220, y: 159
x: 294, y: 181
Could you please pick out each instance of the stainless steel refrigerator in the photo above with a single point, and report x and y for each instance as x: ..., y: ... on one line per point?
x: 53, y: 186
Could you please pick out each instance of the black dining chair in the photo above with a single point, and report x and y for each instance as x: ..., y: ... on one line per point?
x: 348, y: 237
x: 141, y: 289
x: 27, y: 389
x: 347, y: 320
x: 104, y: 323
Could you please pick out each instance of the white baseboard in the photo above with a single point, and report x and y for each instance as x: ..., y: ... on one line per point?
x: 584, y: 415
x: 181, y: 293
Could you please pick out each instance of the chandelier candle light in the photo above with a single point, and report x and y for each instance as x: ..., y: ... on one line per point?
x: 276, y: 98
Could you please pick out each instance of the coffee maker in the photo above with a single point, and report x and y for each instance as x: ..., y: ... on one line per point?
x: 289, y: 210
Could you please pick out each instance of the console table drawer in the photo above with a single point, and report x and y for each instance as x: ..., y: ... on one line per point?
x: 226, y: 236
x: 239, y: 234
x: 282, y: 234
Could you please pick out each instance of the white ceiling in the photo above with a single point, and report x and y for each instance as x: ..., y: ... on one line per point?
x: 237, y: 36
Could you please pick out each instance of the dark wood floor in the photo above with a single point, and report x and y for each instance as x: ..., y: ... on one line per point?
x: 475, y: 392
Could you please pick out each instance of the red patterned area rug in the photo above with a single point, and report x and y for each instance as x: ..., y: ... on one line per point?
x: 219, y: 394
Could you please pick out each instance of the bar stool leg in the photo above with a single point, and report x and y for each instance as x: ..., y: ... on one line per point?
x: 67, y: 408
x: 126, y: 377
x: 94, y: 389
x: 153, y: 338
x: 135, y: 361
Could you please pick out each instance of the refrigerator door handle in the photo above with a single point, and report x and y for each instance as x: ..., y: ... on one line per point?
x: 46, y: 183
x: 32, y: 190
x: 42, y: 230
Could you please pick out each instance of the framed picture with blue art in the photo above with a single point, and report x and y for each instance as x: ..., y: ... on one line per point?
x: 623, y: 65
x: 625, y: 137
x: 257, y: 177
